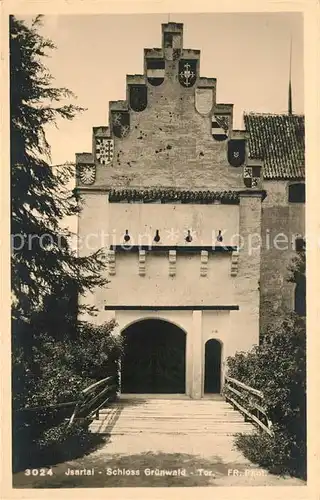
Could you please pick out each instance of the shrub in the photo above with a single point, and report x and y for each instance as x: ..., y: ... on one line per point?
x: 56, y: 372
x: 55, y: 436
x: 280, y: 454
x: 63, y: 368
x: 277, y: 367
x: 57, y: 443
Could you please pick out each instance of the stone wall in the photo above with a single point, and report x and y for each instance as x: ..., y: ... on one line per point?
x: 282, y: 223
x: 170, y: 143
x: 173, y: 221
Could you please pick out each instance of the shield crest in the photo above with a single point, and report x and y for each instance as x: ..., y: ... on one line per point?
x: 220, y: 126
x: 120, y: 123
x: 138, y: 97
x: 87, y: 174
x: 251, y: 176
x: 236, y: 152
x: 155, y: 71
x: 172, y: 43
x: 203, y: 100
x: 104, y: 150
x: 187, y: 73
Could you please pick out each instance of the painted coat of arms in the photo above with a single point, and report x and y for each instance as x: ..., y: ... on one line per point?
x: 203, y: 100
x: 187, y: 73
x: 236, y: 152
x: 251, y: 176
x: 138, y: 97
x: 155, y: 71
x: 220, y: 126
x: 87, y: 174
x: 120, y: 123
x: 172, y: 46
x: 104, y: 150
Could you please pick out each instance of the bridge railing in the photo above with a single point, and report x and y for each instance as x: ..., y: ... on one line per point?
x: 90, y: 401
x: 93, y: 398
x: 249, y: 401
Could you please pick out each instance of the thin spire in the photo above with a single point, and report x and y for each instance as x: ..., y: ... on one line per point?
x: 290, y: 87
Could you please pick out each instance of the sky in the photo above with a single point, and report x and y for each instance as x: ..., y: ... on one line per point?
x: 248, y: 53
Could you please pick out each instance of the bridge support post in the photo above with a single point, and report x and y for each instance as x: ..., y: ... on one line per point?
x: 116, y: 332
x: 196, y: 383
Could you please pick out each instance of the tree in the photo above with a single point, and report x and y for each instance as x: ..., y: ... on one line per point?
x: 42, y: 258
x: 48, y: 365
x: 47, y: 275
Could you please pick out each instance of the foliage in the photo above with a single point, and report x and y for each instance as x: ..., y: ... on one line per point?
x: 66, y: 367
x: 55, y: 444
x: 61, y: 370
x: 54, y: 356
x: 277, y: 367
x: 279, y: 454
x: 61, y: 433
x: 42, y: 257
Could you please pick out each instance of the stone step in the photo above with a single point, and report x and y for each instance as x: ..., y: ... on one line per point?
x: 167, y: 402
x: 178, y: 404
x: 170, y: 432
x: 179, y: 398
x: 180, y: 411
x: 134, y: 414
x: 158, y: 428
x: 188, y: 426
x: 172, y: 423
x: 159, y: 418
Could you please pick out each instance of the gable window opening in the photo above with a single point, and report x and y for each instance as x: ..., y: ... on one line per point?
x: 297, y: 193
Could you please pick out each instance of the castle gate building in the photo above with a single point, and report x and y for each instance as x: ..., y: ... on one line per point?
x: 182, y: 203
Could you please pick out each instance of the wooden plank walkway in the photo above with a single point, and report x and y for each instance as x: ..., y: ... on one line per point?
x: 170, y: 416
x: 163, y: 441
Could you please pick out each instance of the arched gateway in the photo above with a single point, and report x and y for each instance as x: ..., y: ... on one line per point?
x: 154, y: 358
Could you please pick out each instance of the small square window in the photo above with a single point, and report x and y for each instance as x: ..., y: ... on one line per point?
x: 256, y: 171
x: 297, y: 193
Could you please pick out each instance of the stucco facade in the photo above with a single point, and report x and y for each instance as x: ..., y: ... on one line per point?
x: 160, y: 189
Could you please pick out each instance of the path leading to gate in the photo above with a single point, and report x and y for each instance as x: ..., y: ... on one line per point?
x: 160, y: 435
x: 167, y: 441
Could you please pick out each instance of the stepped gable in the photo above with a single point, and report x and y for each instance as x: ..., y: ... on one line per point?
x: 169, y: 131
x: 278, y: 140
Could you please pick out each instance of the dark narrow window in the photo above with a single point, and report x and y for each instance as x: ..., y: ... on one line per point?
x: 300, y: 278
x: 300, y: 296
x: 168, y: 39
x: 300, y: 245
x: 297, y: 193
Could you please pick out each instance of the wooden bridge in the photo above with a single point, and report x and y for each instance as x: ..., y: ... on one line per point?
x: 178, y: 414
x: 168, y: 439
x: 169, y: 415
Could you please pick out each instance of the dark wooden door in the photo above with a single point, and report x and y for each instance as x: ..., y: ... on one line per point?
x: 154, y: 358
x: 212, y: 377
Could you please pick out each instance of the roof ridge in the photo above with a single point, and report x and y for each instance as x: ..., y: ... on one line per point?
x: 257, y: 113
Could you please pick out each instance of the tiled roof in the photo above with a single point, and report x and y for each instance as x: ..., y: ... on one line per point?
x: 278, y: 140
x: 149, y: 195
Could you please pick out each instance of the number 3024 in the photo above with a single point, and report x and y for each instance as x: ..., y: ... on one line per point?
x: 38, y: 472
